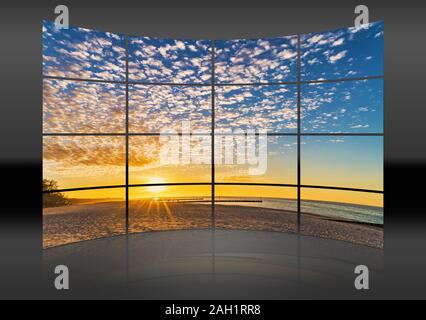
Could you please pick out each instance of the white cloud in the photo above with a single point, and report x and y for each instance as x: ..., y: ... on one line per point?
x: 313, y: 61
x: 180, y: 45
x: 287, y: 54
x: 337, y: 57
x: 338, y: 42
x: 360, y: 126
x: 315, y: 38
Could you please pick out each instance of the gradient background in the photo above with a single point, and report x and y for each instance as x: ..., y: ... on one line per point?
x: 21, y: 114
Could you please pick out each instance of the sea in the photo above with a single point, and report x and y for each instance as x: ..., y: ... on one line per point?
x: 343, y: 211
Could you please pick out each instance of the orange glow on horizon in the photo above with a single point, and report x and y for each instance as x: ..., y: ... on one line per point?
x: 156, y: 189
x: 153, y: 195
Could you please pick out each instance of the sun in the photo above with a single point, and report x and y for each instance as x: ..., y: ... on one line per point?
x: 156, y: 189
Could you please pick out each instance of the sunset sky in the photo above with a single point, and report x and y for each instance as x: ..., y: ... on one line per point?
x: 96, y: 107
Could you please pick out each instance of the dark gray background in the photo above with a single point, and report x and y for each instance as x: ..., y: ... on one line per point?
x: 20, y: 110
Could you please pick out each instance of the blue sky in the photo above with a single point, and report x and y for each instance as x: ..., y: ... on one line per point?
x: 343, y: 53
x: 83, y: 53
x: 355, y: 106
x: 168, y: 60
x: 88, y: 107
x: 153, y: 108
x: 256, y: 60
x: 272, y: 108
x: 348, y: 106
x: 353, y: 162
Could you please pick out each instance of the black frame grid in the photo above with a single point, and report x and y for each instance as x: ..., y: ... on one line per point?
x: 213, y: 182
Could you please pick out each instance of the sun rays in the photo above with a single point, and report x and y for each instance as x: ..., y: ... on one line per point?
x: 154, y: 208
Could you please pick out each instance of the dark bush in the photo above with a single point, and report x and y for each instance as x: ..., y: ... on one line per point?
x: 53, y: 199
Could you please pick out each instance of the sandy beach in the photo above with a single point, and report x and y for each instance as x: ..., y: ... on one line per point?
x: 85, y: 221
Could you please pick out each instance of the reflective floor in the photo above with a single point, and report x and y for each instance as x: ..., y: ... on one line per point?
x: 206, y: 264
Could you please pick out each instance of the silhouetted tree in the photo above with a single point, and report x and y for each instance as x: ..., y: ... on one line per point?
x: 53, y: 199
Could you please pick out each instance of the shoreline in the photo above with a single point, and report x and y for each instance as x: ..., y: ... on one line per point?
x: 67, y: 224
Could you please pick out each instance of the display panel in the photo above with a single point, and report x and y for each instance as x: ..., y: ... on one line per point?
x: 256, y: 208
x: 343, y: 53
x: 82, y: 215
x: 169, y: 61
x: 153, y: 109
x: 342, y: 107
x: 256, y: 60
x: 83, y: 53
x: 84, y: 161
x: 146, y: 165
x: 268, y: 108
x: 343, y: 215
x: 344, y: 161
x: 83, y: 107
x: 315, y: 99
x: 159, y: 208
x: 279, y: 165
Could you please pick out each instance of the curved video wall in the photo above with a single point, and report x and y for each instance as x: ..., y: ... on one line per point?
x: 279, y: 134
